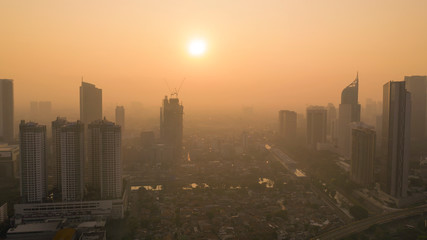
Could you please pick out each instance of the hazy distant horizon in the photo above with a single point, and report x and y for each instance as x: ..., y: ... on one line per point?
x: 280, y: 55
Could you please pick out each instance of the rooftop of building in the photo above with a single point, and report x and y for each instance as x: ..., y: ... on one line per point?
x: 4, y: 147
x: 65, y: 234
x: 34, y: 228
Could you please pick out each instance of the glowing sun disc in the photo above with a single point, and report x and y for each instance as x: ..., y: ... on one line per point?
x: 197, y: 47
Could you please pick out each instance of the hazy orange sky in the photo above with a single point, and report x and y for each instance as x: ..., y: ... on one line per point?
x: 278, y: 54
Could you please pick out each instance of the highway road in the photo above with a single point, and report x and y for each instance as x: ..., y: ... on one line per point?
x: 364, y: 224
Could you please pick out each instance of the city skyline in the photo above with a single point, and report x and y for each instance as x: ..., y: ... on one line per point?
x: 299, y: 46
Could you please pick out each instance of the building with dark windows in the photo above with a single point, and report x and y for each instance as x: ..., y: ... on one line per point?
x: 6, y: 110
x: 32, y: 140
x: 395, y: 139
x: 171, y: 126
x: 349, y: 111
x: 362, y: 154
x: 72, y: 156
x: 56, y: 152
x: 287, y: 125
x: 9, y: 161
x: 316, y: 126
x: 416, y: 86
x: 105, y: 159
x: 90, y: 103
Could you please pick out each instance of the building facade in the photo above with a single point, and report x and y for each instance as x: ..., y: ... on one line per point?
x: 395, y: 139
x: 171, y: 125
x: 287, y: 125
x: 417, y: 87
x: 6, y: 111
x: 362, y: 154
x: 90, y: 103
x: 316, y: 126
x: 349, y: 111
x: 105, y: 159
x: 32, y: 139
x: 9, y: 161
x: 120, y: 117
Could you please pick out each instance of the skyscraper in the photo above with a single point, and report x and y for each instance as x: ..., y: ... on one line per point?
x: 287, y: 125
x: 395, y: 139
x: 362, y: 154
x: 72, y: 161
x: 171, y: 125
x: 417, y: 86
x: 120, y: 117
x: 105, y: 160
x: 32, y: 139
x: 90, y: 103
x: 316, y: 126
x: 56, y: 150
x: 349, y: 111
x: 6, y: 110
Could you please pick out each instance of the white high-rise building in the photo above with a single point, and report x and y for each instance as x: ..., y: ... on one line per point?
x: 72, y: 161
x: 104, y: 156
x: 32, y: 139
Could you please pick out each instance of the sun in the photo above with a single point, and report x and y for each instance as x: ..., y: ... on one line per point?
x: 197, y: 47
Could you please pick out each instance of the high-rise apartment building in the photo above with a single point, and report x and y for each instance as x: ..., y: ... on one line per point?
x: 120, y: 117
x: 171, y: 125
x: 90, y: 103
x: 287, y: 125
x: 56, y: 151
x: 72, y: 161
x: 6, y: 110
x: 316, y: 126
x: 32, y: 140
x: 362, y: 154
x: 349, y: 111
x: 395, y: 139
x: 417, y: 87
x: 105, y: 159
x: 331, y: 127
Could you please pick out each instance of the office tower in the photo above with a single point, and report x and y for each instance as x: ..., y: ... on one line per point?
x: 331, y: 127
x: 120, y: 117
x: 171, y: 125
x: 288, y: 125
x: 362, y: 154
x: 32, y: 139
x: 90, y: 103
x: 6, y: 110
x: 395, y: 139
x: 71, y: 155
x: 349, y: 111
x: 417, y: 87
x: 316, y: 126
x: 105, y: 160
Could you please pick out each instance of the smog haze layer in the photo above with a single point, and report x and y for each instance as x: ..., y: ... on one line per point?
x: 270, y: 55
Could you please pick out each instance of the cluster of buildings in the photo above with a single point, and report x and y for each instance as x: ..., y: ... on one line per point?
x: 378, y: 150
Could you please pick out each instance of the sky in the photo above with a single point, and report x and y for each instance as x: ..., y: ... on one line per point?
x: 276, y: 54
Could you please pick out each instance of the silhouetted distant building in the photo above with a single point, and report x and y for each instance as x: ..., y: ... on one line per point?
x: 288, y: 125
x: 6, y: 110
x: 331, y: 126
x: 395, y: 139
x: 349, y: 112
x: 171, y: 125
x: 105, y: 158
x: 120, y: 117
x: 371, y: 110
x: 71, y: 156
x: 90, y: 103
x: 316, y: 126
x: 362, y: 154
x: 417, y: 86
x: 32, y: 139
